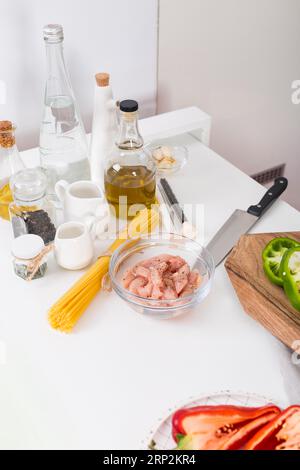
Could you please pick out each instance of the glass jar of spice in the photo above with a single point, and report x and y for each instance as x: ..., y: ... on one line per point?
x: 32, y: 212
x: 29, y: 254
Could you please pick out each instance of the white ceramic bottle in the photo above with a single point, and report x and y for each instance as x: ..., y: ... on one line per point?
x: 104, y: 127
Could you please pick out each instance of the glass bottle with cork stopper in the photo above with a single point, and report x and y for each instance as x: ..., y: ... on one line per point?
x: 10, y: 163
x: 129, y: 176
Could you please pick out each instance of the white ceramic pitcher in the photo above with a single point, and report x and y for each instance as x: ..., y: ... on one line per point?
x: 84, y: 201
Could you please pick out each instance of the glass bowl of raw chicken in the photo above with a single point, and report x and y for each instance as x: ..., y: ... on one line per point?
x: 163, y: 276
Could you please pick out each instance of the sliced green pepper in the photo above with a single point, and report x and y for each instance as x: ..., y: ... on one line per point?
x: 290, y: 272
x: 272, y: 257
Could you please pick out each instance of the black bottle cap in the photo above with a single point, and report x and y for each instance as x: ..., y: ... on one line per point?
x: 129, y: 106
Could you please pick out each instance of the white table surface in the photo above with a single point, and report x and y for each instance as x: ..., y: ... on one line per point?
x: 105, y: 385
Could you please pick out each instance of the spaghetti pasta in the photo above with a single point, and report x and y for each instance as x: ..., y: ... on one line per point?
x: 65, y: 313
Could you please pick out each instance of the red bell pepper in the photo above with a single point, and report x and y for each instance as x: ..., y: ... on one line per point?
x: 219, y: 427
x: 282, y: 433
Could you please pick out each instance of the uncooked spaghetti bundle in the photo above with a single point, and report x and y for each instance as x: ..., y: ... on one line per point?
x: 65, y: 313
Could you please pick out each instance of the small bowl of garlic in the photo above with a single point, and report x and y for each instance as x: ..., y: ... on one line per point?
x: 169, y: 159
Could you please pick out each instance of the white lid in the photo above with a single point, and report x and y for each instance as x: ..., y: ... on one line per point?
x: 27, y: 246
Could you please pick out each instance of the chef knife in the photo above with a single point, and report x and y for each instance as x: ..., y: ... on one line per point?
x: 240, y: 222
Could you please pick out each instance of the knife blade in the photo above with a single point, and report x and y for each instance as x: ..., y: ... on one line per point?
x: 240, y: 222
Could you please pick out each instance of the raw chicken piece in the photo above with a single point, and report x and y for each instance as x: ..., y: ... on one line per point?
x: 141, y: 271
x: 156, y: 293
x: 128, y: 278
x: 175, y: 263
x: 194, y: 281
x: 180, y: 278
x: 145, y: 291
x: 169, y: 294
x: 168, y: 281
x: 188, y: 290
x: 180, y: 282
x: 162, y: 267
x: 155, y: 261
x: 184, y: 271
x: 136, y: 284
x: 156, y: 277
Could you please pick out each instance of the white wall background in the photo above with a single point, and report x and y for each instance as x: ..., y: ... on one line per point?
x: 236, y: 59
x: 118, y: 36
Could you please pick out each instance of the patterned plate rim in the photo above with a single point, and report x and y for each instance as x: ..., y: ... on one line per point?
x: 184, y: 404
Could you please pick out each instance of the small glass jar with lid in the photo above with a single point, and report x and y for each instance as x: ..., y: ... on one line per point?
x: 129, y: 172
x: 28, y: 257
x: 32, y: 212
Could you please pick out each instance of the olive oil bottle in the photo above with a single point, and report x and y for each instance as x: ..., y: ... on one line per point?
x: 129, y: 176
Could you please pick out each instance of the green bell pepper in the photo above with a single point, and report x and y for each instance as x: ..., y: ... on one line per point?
x: 290, y: 273
x: 272, y: 257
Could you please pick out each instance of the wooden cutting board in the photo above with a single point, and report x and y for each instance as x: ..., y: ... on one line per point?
x: 261, y: 299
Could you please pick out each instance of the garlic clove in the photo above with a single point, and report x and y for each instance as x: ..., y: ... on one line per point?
x: 166, y: 151
x: 157, y: 154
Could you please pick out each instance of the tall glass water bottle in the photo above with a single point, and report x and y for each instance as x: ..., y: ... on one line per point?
x: 63, y: 144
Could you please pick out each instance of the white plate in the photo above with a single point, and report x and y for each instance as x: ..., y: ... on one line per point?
x: 162, y: 434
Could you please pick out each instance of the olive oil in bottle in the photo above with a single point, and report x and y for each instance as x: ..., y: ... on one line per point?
x: 129, y: 177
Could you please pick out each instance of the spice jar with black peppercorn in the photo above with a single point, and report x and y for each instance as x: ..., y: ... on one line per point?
x: 32, y: 212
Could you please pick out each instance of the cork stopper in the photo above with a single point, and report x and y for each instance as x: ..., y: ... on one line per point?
x: 102, y: 79
x: 6, y: 126
x: 7, y: 138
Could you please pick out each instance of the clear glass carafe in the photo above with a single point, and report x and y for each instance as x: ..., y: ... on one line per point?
x: 32, y: 211
x: 129, y: 176
x: 63, y: 144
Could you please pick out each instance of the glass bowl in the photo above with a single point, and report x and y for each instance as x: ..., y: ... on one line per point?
x: 133, y: 251
x: 177, y: 152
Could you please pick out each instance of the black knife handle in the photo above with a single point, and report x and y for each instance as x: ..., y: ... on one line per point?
x: 271, y: 195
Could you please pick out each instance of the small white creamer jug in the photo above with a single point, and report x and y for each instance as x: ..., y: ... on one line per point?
x: 84, y: 201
